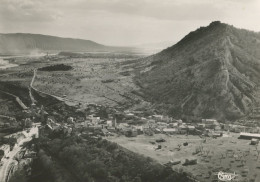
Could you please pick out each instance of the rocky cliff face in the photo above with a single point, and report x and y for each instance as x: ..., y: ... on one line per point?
x: 212, y: 72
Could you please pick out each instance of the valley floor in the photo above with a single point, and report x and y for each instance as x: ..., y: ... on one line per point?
x: 227, y: 154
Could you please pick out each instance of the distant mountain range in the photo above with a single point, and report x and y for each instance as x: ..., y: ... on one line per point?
x: 213, y: 72
x: 24, y: 43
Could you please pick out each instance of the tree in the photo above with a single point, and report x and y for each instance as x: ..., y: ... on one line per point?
x: 179, y: 146
x: 19, y: 176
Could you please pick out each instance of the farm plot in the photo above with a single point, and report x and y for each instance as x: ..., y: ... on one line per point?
x: 227, y: 154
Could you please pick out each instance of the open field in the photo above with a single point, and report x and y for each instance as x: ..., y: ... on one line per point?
x: 95, y: 78
x: 227, y: 154
x: 92, y: 80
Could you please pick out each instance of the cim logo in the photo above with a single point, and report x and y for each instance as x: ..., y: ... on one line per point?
x: 226, y: 176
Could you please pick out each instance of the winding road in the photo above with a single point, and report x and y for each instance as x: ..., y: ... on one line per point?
x: 30, y: 88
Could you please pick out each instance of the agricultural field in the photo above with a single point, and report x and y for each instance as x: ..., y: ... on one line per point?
x: 97, y: 78
x: 21, y: 75
x: 226, y: 154
x: 91, y: 80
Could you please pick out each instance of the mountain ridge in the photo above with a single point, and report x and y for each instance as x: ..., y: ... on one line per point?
x: 20, y: 43
x: 212, y: 72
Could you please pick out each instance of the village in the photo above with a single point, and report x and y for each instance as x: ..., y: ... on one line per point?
x: 127, y: 123
x: 179, y: 144
x: 198, y: 148
x: 132, y: 124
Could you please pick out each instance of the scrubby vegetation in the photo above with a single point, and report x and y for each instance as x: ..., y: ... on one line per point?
x: 92, y: 159
x: 98, y: 77
x: 19, y: 175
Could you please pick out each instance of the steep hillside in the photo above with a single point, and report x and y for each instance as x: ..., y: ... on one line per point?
x: 212, y: 72
x: 21, y: 43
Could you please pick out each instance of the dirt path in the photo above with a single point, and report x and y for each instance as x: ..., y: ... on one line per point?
x: 18, y: 100
x: 30, y: 88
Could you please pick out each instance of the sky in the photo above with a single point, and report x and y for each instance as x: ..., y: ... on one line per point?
x: 124, y: 22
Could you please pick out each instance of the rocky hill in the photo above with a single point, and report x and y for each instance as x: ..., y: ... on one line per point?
x: 22, y: 43
x: 213, y: 72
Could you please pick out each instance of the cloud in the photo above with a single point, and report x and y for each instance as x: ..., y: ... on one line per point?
x: 169, y: 10
x: 49, y: 10
x: 26, y: 11
x: 165, y: 9
x: 123, y: 22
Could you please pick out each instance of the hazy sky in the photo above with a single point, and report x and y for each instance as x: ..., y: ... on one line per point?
x: 124, y: 22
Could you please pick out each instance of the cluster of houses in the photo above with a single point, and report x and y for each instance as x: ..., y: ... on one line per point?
x: 52, y: 126
x: 145, y: 125
x: 133, y: 123
x: 240, y: 128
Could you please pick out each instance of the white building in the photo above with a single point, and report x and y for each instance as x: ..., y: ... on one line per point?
x: 170, y: 130
x: 109, y: 123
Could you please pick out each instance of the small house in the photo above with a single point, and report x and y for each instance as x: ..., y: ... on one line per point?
x: 158, y: 117
x: 249, y: 136
x: 170, y: 131
x: 130, y: 133
x: 191, y: 128
x: 254, y: 141
x: 210, y: 123
x: 111, y: 129
x: 109, y: 123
